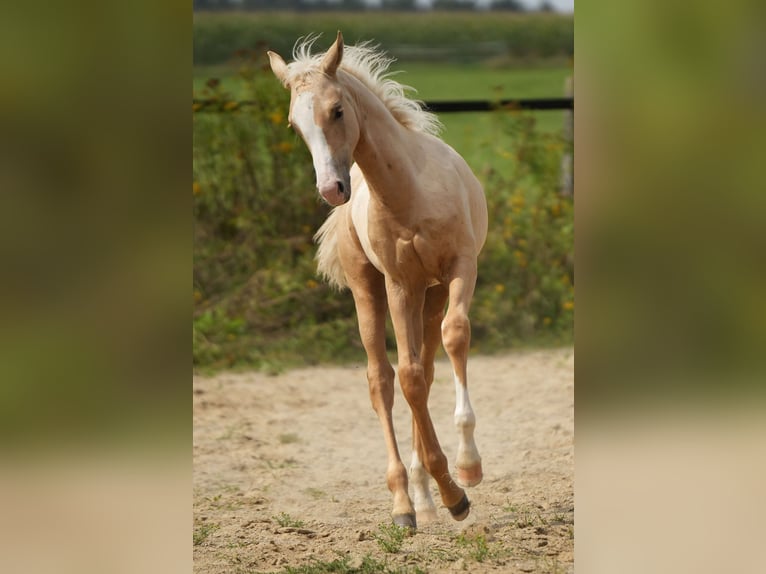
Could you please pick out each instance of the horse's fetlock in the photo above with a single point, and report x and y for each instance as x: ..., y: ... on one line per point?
x: 396, y: 477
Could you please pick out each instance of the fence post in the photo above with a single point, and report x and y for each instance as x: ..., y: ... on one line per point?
x: 567, y: 163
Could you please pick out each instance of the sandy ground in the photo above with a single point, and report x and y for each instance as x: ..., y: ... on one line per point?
x: 289, y: 469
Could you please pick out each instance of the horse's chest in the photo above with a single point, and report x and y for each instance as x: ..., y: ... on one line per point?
x: 360, y: 218
x: 400, y: 253
x: 395, y: 250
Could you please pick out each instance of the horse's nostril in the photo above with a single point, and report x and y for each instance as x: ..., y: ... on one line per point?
x: 341, y: 188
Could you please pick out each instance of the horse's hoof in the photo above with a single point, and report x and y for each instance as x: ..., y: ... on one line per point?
x: 406, y: 521
x: 461, y: 509
x: 469, y: 476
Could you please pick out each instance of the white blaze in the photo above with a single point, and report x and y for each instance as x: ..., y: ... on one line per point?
x: 303, y: 119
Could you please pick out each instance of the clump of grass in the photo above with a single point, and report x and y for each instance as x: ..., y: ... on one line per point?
x: 476, y: 546
x: 285, y: 520
x: 202, y: 531
x: 525, y: 520
x: 390, y: 537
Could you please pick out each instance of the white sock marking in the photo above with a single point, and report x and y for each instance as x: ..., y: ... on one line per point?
x: 419, y: 480
x: 465, y: 421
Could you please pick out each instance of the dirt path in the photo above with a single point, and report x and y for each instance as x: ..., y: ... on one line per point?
x: 290, y: 469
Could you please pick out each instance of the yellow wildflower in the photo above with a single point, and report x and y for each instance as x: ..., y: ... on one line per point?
x: 196, y: 189
x: 499, y: 288
x: 547, y: 320
x: 228, y: 106
x: 568, y: 305
x: 285, y: 147
x: 311, y: 284
x: 276, y: 117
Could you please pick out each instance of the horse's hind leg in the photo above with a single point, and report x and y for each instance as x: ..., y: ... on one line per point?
x: 456, y: 337
x: 368, y: 288
x: 433, y: 313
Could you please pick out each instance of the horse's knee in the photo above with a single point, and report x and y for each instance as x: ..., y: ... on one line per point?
x: 413, y: 382
x: 456, y: 333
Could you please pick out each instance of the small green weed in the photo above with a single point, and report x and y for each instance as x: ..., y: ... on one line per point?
x: 285, y: 520
x: 202, y: 532
x: 390, y: 537
x: 475, y: 545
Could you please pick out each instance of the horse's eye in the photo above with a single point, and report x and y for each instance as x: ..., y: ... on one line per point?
x: 338, y: 113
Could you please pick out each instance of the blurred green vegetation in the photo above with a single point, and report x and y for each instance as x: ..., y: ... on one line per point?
x: 493, y: 38
x: 672, y: 158
x: 257, y: 299
x: 440, y: 80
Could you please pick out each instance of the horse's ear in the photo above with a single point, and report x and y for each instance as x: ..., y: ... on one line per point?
x: 333, y: 57
x: 279, y: 67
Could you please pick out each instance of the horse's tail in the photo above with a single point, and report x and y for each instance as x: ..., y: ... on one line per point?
x: 328, y: 260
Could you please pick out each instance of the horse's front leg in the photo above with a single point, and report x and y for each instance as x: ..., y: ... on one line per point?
x: 406, y: 307
x: 456, y: 336
x: 369, y: 293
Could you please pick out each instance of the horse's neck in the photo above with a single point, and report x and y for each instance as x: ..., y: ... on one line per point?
x: 385, y: 149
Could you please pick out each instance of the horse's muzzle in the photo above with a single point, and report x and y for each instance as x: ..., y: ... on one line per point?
x: 336, y: 193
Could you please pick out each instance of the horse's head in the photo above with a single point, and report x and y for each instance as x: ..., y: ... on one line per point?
x: 322, y: 113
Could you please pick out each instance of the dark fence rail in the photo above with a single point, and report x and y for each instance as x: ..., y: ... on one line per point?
x: 485, y: 106
x: 217, y: 105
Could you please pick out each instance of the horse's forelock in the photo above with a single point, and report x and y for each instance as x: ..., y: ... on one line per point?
x: 370, y: 65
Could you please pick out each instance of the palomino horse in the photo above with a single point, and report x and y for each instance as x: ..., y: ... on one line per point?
x: 409, y: 221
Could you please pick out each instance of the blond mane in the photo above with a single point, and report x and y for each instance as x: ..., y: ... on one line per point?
x: 370, y: 66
